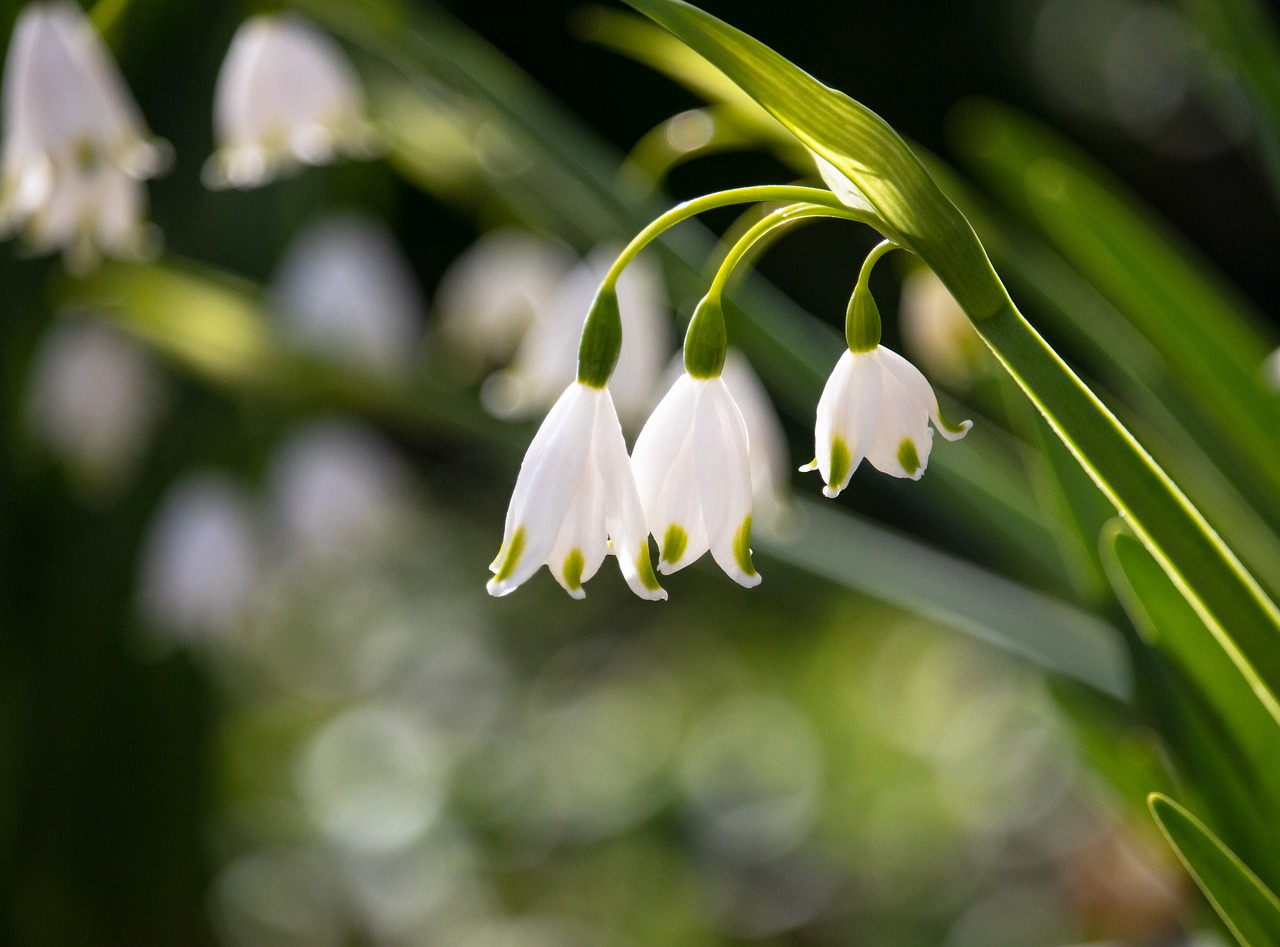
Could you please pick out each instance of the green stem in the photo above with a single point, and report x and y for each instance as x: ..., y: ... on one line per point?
x: 879, y: 250
x: 862, y: 321
x: 739, y: 195
x: 706, y: 343
x: 778, y: 218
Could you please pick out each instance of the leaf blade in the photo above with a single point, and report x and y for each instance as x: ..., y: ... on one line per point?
x: 1245, y: 904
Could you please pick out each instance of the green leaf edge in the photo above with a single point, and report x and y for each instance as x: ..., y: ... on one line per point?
x: 1202, y: 852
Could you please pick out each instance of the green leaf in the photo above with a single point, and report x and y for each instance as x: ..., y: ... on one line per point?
x: 1248, y: 908
x: 1163, y: 616
x: 1148, y: 399
x: 1212, y: 341
x: 858, y: 143
x: 862, y: 556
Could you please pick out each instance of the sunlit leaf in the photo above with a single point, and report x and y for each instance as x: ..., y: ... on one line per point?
x: 1212, y: 341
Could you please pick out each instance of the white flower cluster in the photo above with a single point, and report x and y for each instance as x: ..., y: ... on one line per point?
x: 696, y: 465
x: 76, y: 149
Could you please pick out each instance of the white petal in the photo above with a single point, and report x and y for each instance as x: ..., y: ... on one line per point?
x: 847, y: 416
x: 624, y: 516
x: 724, y: 480
x: 766, y: 441
x: 902, y: 439
x: 582, y: 544
x: 921, y: 391
x: 546, y: 486
x: 664, y: 461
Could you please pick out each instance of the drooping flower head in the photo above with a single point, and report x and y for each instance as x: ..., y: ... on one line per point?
x: 876, y: 405
x: 575, y: 500
x: 691, y: 461
x: 767, y: 455
x: 694, y: 478
x: 286, y: 95
x: 76, y: 148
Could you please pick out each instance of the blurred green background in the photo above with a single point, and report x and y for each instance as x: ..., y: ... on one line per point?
x: 367, y: 749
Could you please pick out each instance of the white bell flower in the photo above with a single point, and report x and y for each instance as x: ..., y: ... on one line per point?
x: 548, y: 354
x: 876, y: 405
x: 692, y: 470
x: 490, y: 294
x: 94, y: 399
x: 767, y: 447
x: 575, y: 500
x: 76, y: 148
x: 201, y: 561
x: 286, y: 95
x: 345, y: 292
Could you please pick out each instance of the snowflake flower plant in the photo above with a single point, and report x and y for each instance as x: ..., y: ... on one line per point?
x: 688, y: 482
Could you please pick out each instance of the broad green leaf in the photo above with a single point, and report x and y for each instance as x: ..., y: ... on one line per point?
x: 1123, y: 361
x: 860, y: 555
x: 1162, y: 615
x: 1212, y: 341
x: 861, y: 145
x: 1248, y: 908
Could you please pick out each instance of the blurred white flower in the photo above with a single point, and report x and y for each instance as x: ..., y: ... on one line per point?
x: 546, y: 361
x: 286, y: 95
x: 344, y: 291
x: 574, y: 501
x: 937, y: 332
x: 76, y: 148
x: 201, y: 559
x: 334, y: 483
x: 93, y: 399
x: 488, y: 297
x: 691, y: 469
x: 876, y: 405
